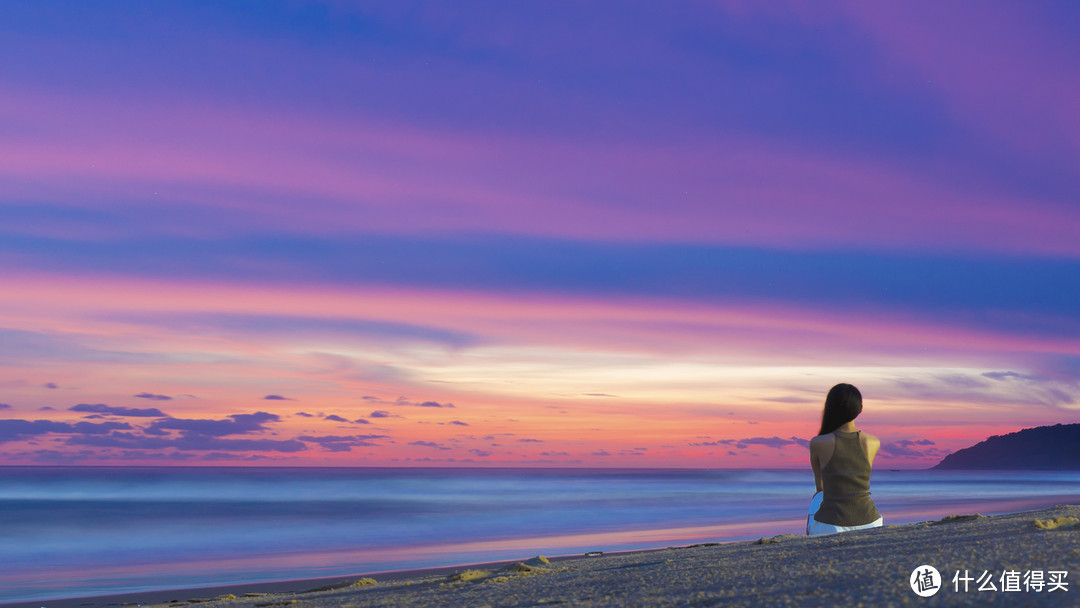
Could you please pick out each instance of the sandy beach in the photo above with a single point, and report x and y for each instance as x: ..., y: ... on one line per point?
x: 870, y: 568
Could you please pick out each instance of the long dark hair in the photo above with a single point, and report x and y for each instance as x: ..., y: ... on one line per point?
x: 843, y: 404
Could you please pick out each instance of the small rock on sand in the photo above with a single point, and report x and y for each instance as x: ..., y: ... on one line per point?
x: 468, y: 575
x: 1057, y: 522
x: 345, y: 585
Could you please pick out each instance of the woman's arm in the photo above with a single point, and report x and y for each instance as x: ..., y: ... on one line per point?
x: 815, y: 462
x: 872, y: 445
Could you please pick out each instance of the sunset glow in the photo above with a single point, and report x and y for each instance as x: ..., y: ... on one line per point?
x: 597, y: 234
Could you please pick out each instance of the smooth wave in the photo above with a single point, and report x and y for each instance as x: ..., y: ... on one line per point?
x: 70, y: 532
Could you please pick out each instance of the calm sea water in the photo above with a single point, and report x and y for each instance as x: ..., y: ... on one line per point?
x: 73, y: 532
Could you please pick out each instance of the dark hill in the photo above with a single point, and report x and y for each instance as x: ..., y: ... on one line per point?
x: 1053, y: 448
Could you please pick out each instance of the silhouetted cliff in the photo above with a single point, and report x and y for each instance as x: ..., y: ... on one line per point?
x: 1054, y: 448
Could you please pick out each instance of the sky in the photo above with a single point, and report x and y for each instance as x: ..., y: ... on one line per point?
x: 533, y: 233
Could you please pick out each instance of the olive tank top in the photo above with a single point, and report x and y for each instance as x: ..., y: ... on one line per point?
x: 845, y: 481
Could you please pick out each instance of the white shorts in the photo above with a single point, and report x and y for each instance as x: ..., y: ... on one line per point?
x: 815, y: 527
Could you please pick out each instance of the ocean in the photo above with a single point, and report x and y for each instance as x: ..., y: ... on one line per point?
x: 82, y: 531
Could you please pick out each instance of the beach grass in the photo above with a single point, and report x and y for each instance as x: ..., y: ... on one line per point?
x: 867, y: 567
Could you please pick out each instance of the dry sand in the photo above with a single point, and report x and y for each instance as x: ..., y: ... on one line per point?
x: 864, y: 568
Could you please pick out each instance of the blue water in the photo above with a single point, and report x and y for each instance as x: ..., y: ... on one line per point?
x: 73, y: 532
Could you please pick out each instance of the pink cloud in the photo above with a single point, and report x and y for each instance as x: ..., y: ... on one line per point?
x: 643, y: 325
x: 357, y: 176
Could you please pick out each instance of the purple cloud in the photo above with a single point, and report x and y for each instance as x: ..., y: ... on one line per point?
x: 802, y: 442
x: 17, y: 430
x: 433, y: 404
x: 335, y: 418
x: 53, y: 456
x: 405, y: 401
x: 429, y: 444
x: 905, y: 449
x: 193, y: 442
x: 742, y: 444
x: 197, y: 435
x: 342, y: 443
x: 277, y: 398
x: 153, y: 397
x: 142, y: 455
x: 237, y: 424
x: 133, y: 412
x: 223, y: 456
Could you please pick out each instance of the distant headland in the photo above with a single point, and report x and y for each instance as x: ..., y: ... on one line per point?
x: 1053, y: 448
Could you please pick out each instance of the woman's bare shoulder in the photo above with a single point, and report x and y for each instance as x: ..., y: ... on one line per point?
x: 821, y: 440
x: 871, y: 439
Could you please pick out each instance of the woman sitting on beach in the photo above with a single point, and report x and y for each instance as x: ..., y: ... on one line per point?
x: 841, y: 457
